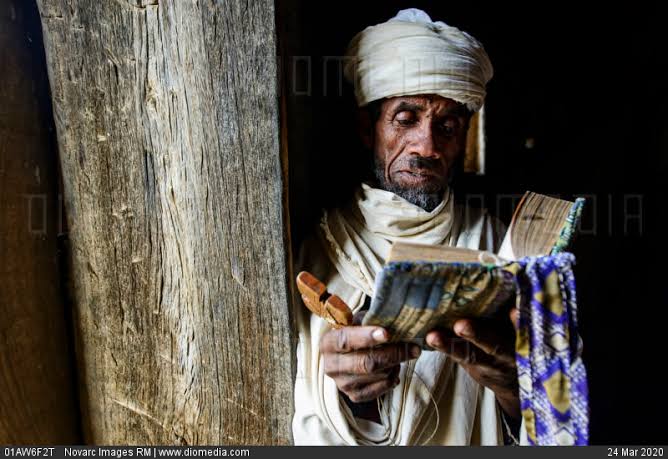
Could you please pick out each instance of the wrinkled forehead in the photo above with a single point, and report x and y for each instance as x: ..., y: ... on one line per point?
x: 431, y: 103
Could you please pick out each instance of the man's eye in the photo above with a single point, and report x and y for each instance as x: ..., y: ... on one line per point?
x: 449, y: 128
x: 405, y: 119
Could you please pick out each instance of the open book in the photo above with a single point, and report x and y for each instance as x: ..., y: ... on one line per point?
x: 424, y: 287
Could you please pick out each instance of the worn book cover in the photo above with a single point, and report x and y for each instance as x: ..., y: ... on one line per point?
x: 424, y: 287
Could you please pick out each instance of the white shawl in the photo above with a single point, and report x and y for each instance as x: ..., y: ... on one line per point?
x: 435, y: 402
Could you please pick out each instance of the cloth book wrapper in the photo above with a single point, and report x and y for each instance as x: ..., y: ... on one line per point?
x: 415, y: 297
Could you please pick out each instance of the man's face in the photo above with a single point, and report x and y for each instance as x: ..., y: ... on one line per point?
x: 417, y: 141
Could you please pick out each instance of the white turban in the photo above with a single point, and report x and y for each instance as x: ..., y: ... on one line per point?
x: 410, y: 54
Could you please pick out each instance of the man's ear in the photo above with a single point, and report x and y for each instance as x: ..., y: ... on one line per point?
x: 365, y: 127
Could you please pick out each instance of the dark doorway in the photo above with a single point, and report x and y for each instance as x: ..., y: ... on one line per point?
x: 576, y: 108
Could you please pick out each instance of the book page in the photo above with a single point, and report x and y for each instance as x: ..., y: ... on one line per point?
x: 403, y: 251
x: 535, y: 227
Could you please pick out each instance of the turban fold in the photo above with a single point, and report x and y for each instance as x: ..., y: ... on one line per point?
x: 410, y: 54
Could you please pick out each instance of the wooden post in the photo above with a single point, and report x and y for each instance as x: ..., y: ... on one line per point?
x: 37, y: 393
x: 168, y: 129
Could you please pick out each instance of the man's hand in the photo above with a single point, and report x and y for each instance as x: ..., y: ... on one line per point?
x: 486, y: 350
x: 362, y: 363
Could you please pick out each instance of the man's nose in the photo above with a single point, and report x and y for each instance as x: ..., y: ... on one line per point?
x: 426, y: 144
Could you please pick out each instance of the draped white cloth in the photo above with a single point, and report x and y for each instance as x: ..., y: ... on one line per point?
x: 411, y: 54
x: 436, y: 402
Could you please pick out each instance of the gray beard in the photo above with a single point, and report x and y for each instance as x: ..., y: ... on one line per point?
x: 426, y: 199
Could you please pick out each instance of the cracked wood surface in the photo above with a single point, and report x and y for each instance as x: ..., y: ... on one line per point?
x: 37, y: 403
x: 168, y: 129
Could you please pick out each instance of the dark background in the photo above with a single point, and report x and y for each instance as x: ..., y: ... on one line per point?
x: 587, y: 84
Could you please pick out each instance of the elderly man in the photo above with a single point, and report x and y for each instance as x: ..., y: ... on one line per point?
x: 417, y: 83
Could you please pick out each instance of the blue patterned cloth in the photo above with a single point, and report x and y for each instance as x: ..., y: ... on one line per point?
x: 552, y: 377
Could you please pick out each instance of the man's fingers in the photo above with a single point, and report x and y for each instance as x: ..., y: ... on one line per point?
x: 460, y: 350
x: 491, y: 338
x: 350, y: 383
x: 477, y: 335
x: 370, y: 361
x: 349, y: 339
x: 371, y: 391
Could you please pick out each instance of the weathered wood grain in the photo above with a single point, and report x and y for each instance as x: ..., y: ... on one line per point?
x: 37, y: 396
x: 168, y: 129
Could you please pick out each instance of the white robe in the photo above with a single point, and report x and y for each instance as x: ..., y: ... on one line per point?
x: 349, y: 249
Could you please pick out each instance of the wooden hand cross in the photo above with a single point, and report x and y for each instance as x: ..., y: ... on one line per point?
x: 330, y: 307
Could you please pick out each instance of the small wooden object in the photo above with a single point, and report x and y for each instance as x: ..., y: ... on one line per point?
x: 330, y: 307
